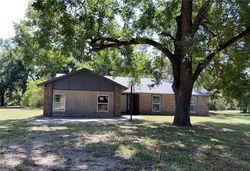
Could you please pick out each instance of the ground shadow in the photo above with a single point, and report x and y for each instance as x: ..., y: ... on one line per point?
x: 133, y: 145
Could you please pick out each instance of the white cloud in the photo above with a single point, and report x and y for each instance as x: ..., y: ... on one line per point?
x: 11, y: 11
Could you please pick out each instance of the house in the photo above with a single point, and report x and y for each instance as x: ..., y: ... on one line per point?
x: 158, y: 99
x: 82, y: 94
x: 85, y: 94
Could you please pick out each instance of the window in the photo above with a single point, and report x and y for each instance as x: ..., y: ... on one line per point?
x: 156, y: 103
x: 102, y: 104
x: 59, y: 102
x: 193, y: 102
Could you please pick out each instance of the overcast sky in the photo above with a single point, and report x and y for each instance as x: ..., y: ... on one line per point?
x: 11, y: 11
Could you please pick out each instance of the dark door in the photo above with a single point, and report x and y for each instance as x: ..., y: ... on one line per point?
x: 135, y: 103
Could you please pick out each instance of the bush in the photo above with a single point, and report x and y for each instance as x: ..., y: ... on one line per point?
x: 33, y: 96
x: 218, y: 104
x: 223, y: 103
x: 233, y: 105
x: 13, y: 97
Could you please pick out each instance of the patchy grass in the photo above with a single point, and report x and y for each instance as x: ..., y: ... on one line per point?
x: 220, y: 141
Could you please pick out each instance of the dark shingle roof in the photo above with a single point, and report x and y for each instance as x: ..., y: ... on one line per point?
x: 165, y: 87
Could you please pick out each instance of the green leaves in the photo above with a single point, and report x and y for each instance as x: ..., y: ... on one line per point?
x: 33, y: 96
x: 13, y: 73
x: 229, y: 74
x: 58, y: 34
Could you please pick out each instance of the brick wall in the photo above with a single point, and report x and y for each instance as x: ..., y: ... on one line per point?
x: 202, y: 105
x: 145, y: 106
x: 167, y: 104
x: 47, y: 102
x: 170, y: 103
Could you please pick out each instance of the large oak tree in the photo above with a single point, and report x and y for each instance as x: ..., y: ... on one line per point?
x: 189, y: 33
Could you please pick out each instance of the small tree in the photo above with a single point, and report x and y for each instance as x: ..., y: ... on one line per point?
x: 13, y: 72
x: 33, y: 96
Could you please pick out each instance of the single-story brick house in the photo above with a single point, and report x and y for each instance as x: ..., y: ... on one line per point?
x: 158, y: 99
x: 85, y: 94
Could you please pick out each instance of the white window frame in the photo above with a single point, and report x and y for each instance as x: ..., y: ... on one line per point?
x: 63, y: 102
x: 102, y: 103
x: 156, y: 103
x: 193, y: 103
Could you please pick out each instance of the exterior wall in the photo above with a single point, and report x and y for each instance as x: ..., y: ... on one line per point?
x: 202, y: 105
x: 47, y: 101
x: 145, y: 104
x: 168, y: 104
x: 117, y: 101
x: 84, y: 104
x: 124, y: 103
x: 81, y: 90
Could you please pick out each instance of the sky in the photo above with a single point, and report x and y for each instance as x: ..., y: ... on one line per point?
x: 11, y: 11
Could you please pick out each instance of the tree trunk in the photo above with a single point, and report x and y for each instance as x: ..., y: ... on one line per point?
x: 2, y: 97
x: 182, y: 87
x: 182, y: 103
x: 182, y: 66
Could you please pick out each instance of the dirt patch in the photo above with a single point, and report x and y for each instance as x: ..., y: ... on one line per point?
x: 56, y: 121
x: 59, y: 150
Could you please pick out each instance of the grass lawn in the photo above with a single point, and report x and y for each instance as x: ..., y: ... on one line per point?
x: 229, y: 116
x: 17, y: 113
x: 220, y: 141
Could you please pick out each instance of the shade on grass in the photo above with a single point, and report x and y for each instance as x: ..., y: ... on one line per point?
x: 220, y: 141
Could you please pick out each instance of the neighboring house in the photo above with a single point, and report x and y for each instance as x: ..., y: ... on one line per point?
x: 86, y: 94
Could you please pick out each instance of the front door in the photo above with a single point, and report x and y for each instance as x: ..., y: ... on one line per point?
x: 135, y: 103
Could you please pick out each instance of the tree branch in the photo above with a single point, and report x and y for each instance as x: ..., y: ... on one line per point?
x: 200, y: 16
x: 104, y: 43
x: 186, y: 17
x: 207, y: 60
x: 166, y: 34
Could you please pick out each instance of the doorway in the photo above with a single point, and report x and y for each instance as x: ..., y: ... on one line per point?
x: 135, y: 104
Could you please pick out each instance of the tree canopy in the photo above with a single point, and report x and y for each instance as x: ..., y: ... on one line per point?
x: 13, y: 72
x: 229, y: 75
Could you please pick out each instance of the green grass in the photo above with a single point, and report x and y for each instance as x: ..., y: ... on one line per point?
x: 220, y: 141
x: 19, y: 113
x: 234, y: 117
